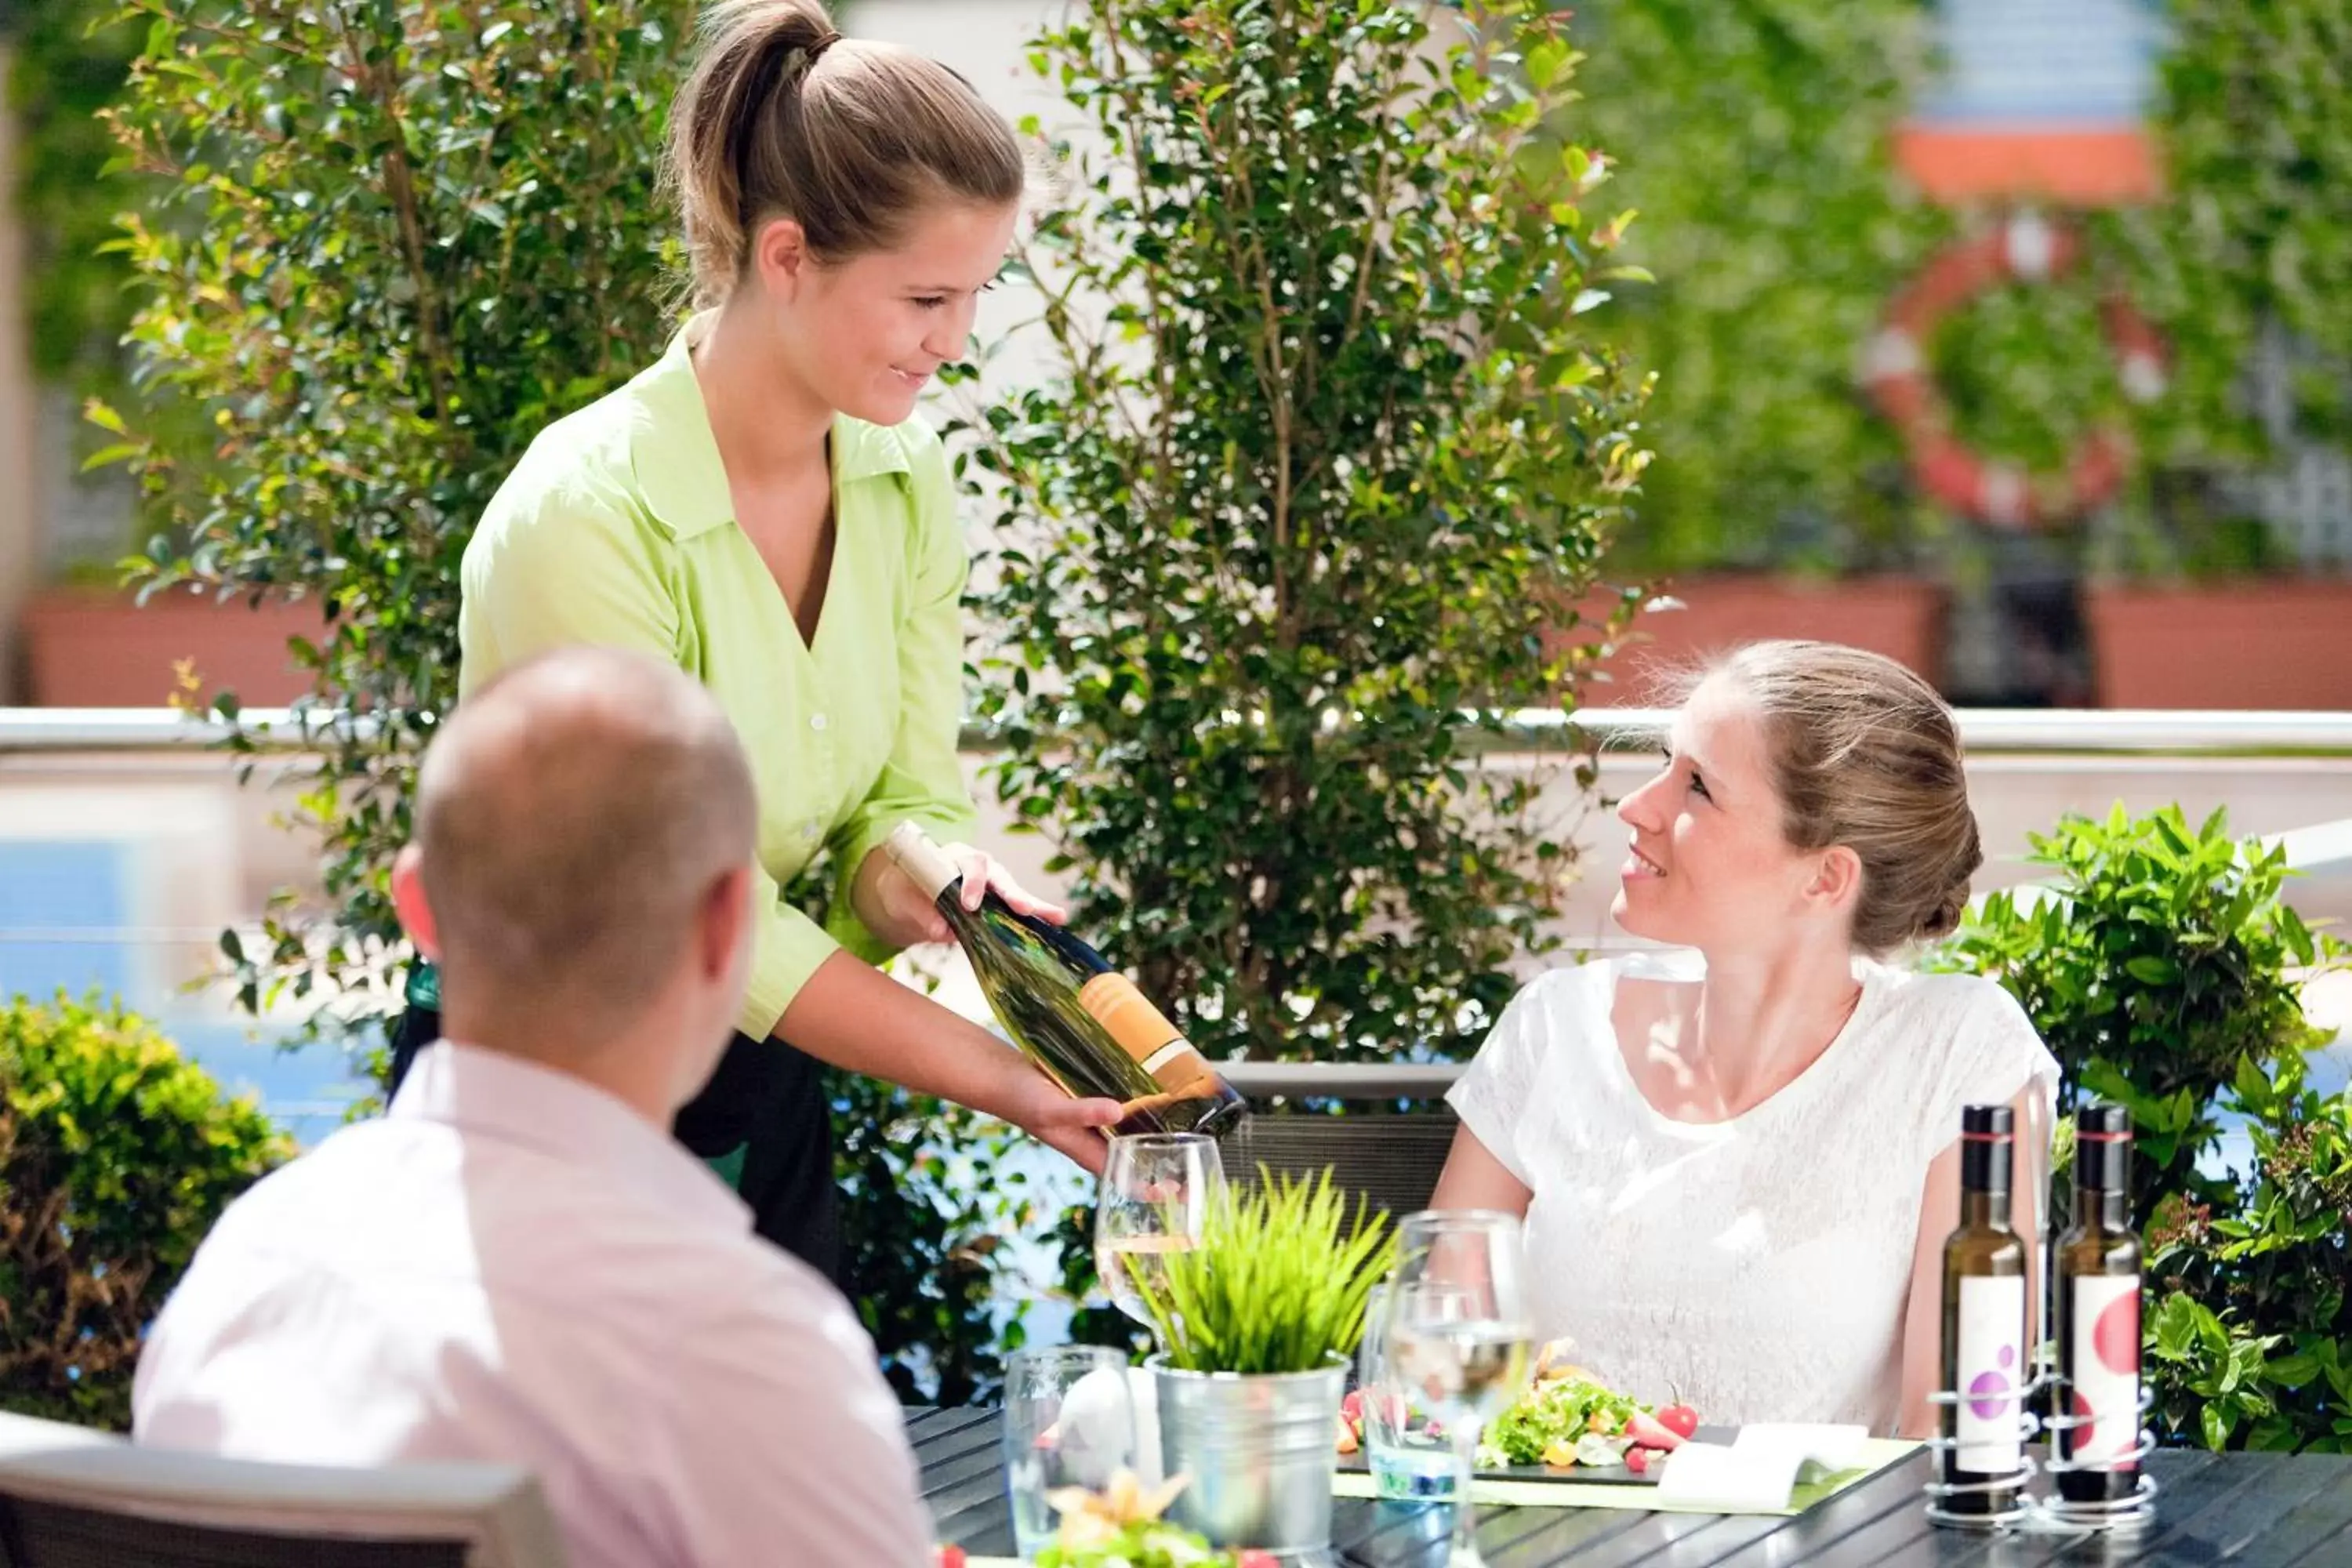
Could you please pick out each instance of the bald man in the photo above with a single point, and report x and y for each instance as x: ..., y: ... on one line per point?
x: 517, y: 1263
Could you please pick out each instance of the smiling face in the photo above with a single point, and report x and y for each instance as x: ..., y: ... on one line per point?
x: 864, y: 334
x: 1711, y: 866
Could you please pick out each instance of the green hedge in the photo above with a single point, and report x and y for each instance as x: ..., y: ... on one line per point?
x: 116, y: 1157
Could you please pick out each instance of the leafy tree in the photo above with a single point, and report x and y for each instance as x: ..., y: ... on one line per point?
x: 1326, y: 444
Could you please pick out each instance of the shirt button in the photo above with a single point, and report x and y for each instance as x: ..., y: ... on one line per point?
x: 816, y: 721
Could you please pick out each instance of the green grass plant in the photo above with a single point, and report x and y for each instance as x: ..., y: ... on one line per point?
x: 1278, y: 1282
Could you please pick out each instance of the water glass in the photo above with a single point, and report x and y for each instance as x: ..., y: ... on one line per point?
x: 1068, y: 1422
x: 1456, y: 1329
x: 1408, y: 1451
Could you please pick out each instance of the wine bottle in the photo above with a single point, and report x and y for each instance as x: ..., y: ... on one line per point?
x: 1080, y: 1020
x: 2097, y: 1314
x: 1985, y: 1360
x: 1193, y: 1094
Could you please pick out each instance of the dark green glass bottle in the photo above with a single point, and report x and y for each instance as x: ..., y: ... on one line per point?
x: 2097, y: 1313
x: 1082, y: 1022
x: 1985, y: 1357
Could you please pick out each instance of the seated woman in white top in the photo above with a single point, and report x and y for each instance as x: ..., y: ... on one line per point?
x: 1739, y: 1160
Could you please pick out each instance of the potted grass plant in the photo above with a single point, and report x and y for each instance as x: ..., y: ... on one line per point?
x: 1259, y: 1322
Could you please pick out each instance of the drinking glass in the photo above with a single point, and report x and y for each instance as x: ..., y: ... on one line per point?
x: 1411, y: 1457
x: 1068, y: 1422
x: 1456, y: 1333
x: 1155, y: 1195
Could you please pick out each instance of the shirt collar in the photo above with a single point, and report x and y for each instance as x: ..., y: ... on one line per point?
x: 504, y: 1097
x: 676, y: 455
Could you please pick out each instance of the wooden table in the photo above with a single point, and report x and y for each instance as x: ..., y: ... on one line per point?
x: 2256, y: 1510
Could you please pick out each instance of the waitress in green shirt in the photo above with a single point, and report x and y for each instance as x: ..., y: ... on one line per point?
x: 762, y: 508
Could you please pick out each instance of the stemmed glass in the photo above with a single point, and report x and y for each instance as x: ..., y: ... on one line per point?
x: 1458, y: 1333
x: 1154, y: 1199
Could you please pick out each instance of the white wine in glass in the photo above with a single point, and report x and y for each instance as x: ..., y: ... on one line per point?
x: 1154, y: 1199
x: 1129, y: 1265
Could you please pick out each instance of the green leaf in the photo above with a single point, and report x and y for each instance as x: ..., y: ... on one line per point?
x: 2174, y: 1327
x: 2214, y: 1426
x: 108, y: 456
x: 1544, y: 62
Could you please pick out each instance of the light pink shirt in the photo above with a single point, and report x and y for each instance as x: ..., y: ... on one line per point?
x: 513, y: 1265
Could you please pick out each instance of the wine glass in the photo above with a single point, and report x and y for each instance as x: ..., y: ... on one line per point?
x: 1457, y: 1333
x: 1154, y: 1199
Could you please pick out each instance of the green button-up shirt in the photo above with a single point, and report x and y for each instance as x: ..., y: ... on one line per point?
x: 617, y: 529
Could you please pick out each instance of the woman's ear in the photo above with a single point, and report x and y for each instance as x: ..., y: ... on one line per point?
x: 1836, y: 883
x: 780, y: 255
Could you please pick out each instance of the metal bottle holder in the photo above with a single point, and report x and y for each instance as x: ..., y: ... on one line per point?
x: 1942, y: 1494
x: 2128, y: 1512
x: 2051, y: 1513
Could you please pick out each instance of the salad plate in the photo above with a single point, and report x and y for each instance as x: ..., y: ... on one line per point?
x: 1568, y: 1427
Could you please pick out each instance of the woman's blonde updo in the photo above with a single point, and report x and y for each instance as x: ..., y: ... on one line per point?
x: 782, y: 117
x: 1865, y: 755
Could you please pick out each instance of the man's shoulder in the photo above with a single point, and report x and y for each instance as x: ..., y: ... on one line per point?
x: 394, y: 1192
x: 346, y: 1165
x: 412, y: 1196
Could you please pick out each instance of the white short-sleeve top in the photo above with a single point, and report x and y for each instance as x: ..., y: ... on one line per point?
x: 1757, y: 1268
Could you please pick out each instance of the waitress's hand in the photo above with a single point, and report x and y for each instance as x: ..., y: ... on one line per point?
x: 897, y: 911
x: 1076, y: 1127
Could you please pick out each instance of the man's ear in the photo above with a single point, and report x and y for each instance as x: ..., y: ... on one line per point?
x: 726, y: 916
x: 408, y: 902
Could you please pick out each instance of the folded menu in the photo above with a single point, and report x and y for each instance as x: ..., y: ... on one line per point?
x: 1758, y: 1472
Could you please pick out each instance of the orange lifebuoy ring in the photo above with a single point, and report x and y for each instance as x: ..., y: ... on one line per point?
x: 2025, y: 249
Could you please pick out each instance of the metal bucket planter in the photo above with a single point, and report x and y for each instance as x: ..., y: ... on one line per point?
x: 1260, y: 1452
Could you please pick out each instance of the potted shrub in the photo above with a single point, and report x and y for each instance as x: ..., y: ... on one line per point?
x: 2162, y: 968
x: 116, y: 1157
x: 1286, y: 516
x: 1259, y: 1322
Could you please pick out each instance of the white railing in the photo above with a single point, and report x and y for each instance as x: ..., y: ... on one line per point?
x: 1985, y: 730
x: 1343, y: 1080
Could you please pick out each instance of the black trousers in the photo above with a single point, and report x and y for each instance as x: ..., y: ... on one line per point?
x: 766, y: 1101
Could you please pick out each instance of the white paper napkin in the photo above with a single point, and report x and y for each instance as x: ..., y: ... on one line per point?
x: 1832, y: 1448
x: 1759, y: 1471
